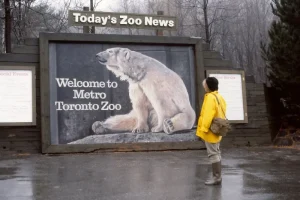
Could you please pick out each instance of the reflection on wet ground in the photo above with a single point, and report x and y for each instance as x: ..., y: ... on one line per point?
x: 248, y: 174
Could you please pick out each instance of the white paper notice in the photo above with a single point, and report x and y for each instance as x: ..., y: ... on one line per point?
x: 230, y: 87
x: 15, y: 96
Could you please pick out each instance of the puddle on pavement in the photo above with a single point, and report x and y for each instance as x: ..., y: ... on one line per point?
x: 7, y: 172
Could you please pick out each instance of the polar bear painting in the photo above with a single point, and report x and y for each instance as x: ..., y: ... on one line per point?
x: 160, y: 101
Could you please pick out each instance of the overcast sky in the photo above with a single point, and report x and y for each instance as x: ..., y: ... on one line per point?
x: 105, y: 5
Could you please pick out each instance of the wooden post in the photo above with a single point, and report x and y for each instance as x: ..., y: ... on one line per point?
x: 160, y: 32
x: 86, y: 29
x: 7, y: 26
x: 92, y: 9
x: 206, y: 25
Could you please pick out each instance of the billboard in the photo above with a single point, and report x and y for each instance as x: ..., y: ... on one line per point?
x: 120, y: 93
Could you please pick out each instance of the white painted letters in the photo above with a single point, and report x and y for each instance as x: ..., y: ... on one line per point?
x: 113, y: 20
x: 148, y: 21
x: 86, y: 94
x: 123, y: 19
x: 76, y: 15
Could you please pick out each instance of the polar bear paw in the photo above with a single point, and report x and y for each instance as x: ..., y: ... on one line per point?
x: 156, y: 129
x: 141, y: 129
x: 98, y: 127
x: 168, y: 126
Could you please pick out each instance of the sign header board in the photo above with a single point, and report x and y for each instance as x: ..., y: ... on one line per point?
x: 121, y: 20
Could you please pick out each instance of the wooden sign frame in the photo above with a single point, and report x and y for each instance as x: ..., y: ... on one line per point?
x: 242, y: 73
x: 32, y: 68
x: 46, y: 38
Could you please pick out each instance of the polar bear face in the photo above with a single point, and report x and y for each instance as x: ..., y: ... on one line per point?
x: 113, y: 56
x: 123, y: 63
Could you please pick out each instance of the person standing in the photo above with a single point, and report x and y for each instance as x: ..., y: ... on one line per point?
x: 214, y: 106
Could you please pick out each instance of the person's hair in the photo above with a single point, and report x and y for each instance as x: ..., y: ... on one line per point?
x: 212, y: 83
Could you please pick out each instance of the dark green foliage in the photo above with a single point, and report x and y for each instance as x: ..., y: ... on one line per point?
x: 282, y: 54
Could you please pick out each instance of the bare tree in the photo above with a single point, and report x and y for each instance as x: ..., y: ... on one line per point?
x: 26, y: 18
x: 233, y: 27
x: 129, y: 6
x: 242, y: 35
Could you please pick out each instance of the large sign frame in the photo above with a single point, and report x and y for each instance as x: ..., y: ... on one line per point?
x: 243, y: 87
x: 46, y: 38
x: 21, y: 67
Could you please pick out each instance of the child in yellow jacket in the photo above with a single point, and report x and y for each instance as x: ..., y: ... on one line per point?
x: 210, y: 110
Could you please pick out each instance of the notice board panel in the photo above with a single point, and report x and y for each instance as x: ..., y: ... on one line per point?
x: 17, y: 95
x: 232, y: 88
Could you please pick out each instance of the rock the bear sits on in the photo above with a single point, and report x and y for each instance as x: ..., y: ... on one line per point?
x: 160, y: 101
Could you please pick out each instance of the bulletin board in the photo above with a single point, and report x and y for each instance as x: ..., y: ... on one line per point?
x: 232, y: 87
x: 17, y: 95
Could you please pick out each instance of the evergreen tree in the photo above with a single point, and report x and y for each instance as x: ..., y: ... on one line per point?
x: 282, y: 54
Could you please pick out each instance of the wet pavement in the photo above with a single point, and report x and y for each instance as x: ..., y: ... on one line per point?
x: 248, y: 174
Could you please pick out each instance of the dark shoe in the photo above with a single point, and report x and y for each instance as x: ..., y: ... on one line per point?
x: 217, y: 177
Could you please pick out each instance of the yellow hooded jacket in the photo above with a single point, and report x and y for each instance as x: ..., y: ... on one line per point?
x: 210, y: 110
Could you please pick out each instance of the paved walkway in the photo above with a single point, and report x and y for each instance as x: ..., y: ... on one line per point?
x: 248, y: 174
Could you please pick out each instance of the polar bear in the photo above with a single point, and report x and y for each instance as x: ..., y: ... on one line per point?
x: 160, y: 101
